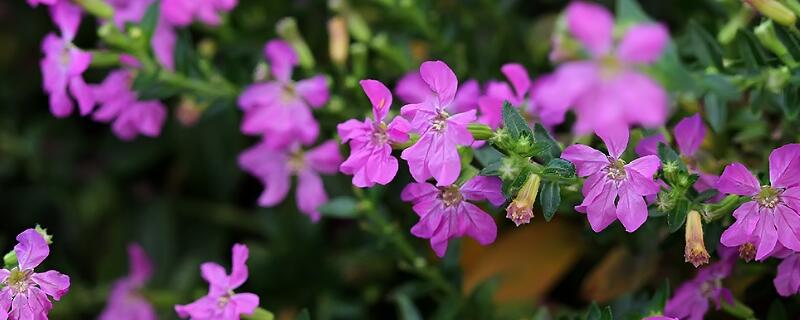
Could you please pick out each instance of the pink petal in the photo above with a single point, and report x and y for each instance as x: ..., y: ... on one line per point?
x: 644, y: 101
x: 784, y: 166
x: 246, y: 303
x: 21, y: 309
x: 398, y: 130
x: 441, y: 79
x: 60, y: 104
x: 83, y: 94
x: 689, y: 133
x: 314, y: 90
x: 466, y: 97
x: 736, y: 179
x: 646, y: 166
x: 741, y: 231
x: 631, y: 209
x: 641, y: 184
x: 325, y: 158
x: 484, y: 188
x: 477, y: 224
x: 601, y: 212
x: 643, y: 43
x: 787, y: 222
x: 218, y: 280
x: 141, y: 267
x: 52, y: 283
x: 67, y: 17
x: 412, y: 89
x: 417, y: 157
x: 259, y: 94
x: 518, y: 77
x: 239, y: 265
x: 431, y: 214
x: 382, y: 167
x: 649, y: 145
x: 31, y: 250
x: 491, y: 111
x: 380, y: 97
x: 592, y: 25
x: 768, y: 236
x: 353, y: 129
x: 562, y: 89
x: 616, y: 140
x: 418, y: 191
x: 587, y: 160
x: 282, y: 58
x: 163, y: 44
x: 310, y: 194
x: 443, y: 161
x: 787, y: 282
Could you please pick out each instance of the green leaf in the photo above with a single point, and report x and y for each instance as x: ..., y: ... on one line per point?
x: 777, y: 311
x: 510, y: 187
x: 340, y: 207
x: 492, y: 169
x: 551, y: 149
x: 677, y: 217
x: 659, y: 299
x: 669, y: 156
x: 259, y: 314
x: 716, y: 112
x: 558, y: 168
x: 487, y: 155
x: 185, y: 56
x: 750, y: 50
x: 148, y: 87
x: 549, y: 199
x: 150, y: 20
x: 704, y: 46
x: 595, y: 313
x: 629, y: 11
x: 513, y: 122
x: 405, y: 308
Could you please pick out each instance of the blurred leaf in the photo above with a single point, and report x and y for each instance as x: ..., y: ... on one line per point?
x: 750, y: 50
x: 340, y: 207
x: 677, y: 216
x: 303, y: 315
x: 659, y: 299
x: 150, y: 20
x: 148, y: 87
x: 595, y: 313
x: 513, y: 122
x: 405, y: 307
x: 716, y: 112
x: 487, y: 155
x: 541, y: 136
x: 704, y: 46
x: 629, y: 11
x: 549, y: 199
x: 259, y: 314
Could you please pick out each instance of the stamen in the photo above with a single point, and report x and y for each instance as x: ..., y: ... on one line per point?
x: 451, y: 196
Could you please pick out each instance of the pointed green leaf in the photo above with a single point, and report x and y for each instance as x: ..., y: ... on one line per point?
x: 551, y: 148
x: 513, y: 122
x: 677, y: 216
x: 549, y: 199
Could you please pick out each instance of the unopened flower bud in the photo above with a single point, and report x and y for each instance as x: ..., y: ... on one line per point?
x: 776, y: 79
x: 765, y: 32
x: 775, y: 11
x: 521, y: 209
x: 747, y: 251
x: 43, y: 231
x: 695, y: 252
x: 339, y: 40
x: 10, y: 259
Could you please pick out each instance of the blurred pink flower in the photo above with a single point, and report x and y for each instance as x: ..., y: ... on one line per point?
x: 691, y: 298
x: 787, y: 281
x: 63, y: 64
x: 435, y: 154
x: 518, y: 94
x: 445, y: 213
x: 274, y: 167
x: 184, y: 12
x: 164, y: 36
x: 371, y: 159
x: 24, y: 291
x: 221, y: 302
x: 606, y: 90
x: 609, y: 177
x: 280, y: 110
x: 412, y: 89
x: 119, y: 104
x: 124, y: 301
x: 34, y: 3
x: 772, y: 216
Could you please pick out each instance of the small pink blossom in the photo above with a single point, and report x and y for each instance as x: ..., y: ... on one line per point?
x: 691, y: 299
x: 787, y: 281
x: 221, y: 302
x: 63, y: 64
x: 610, y: 178
x: 518, y: 94
x: 125, y: 302
x: 164, y: 37
x: 607, y: 90
x: 445, y: 213
x: 771, y: 217
x: 119, y: 104
x: 24, y: 293
x: 371, y: 159
x: 184, y: 12
x: 280, y: 110
x: 435, y: 154
x: 274, y: 167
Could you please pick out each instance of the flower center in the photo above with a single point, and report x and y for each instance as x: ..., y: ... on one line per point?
x: 19, y: 280
x: 616, y: 170
x: 747, y: 251
x: 379, y: 136
x: 768, y: 197
x: 289, y: 92
x: 224, y: 299
x: 708, y: 287
x: 297, y: 161
x: 451, y: 196
x: 439, y: 122
x: 610, y: 67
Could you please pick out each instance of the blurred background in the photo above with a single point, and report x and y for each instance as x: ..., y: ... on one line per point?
x: 183, y: 198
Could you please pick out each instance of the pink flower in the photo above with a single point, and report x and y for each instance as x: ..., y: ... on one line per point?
x: 518, y: 94
x: 124, y: 302
x: 221, y: 303
x: 164, y: 36
x: 412, y: 89
x: 34, y: 3
x: 274, y: 167
x: 607, y: 90
x: 609, y: 177
x: 371, y: 159
x: 689, y: 134
x: 787, y: 281
x: 771, y: 217
x: 63, y: 64
x: 435, y: 154
x: 131, y: 117
x: 280, y: 110
x: 691, y: 298
x: 445, y: 213
x: 24, y: 291
x: 183, y: 12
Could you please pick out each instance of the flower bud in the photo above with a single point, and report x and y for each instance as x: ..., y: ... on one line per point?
x: 695, y: 252
x: 10, y: 259
x: 521, y: 209
x: 775, y: 11
x: 747, y: 251
x: 765, y: 32
x: 339, y: 40
x: 43, y: 231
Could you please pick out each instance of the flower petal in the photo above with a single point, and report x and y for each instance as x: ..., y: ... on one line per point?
x: 787, y: 222
x: 141, y: 268
x: 380, y: 97
x: 646, y: 166
x: 314, y: 90
x: 587, y: 160
x: 484, y: 188
x: 246, y: 303
x: 52, y: 283
x: 282, y: 58
x: 602, y: 212
x: 643, y: 43
x: 631, y: 209
x: 592, y: 25
x: 466, y: 98
x: 736, y: 179
x: 67, y: 17
x: 441, y: 79
x: 310, y: 194
x: 649, y: 145
x: 218, y: 280
x: 414, y: 192
x: 615, y: 138
x: 412, y: 89
x: 689, y: 134
x: 477, y: 224
x: 784, y: 166
x: 518, y: 77
x: 31, y: 250
x: 787, y: 281
x: 325, y: 158
x: 768, y: 236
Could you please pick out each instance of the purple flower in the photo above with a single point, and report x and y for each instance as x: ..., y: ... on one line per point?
x: 221, y: 302
x: 607, y: 90
x: 691, y: 298
x: 435, y: 154
x: 787, y: 281
x: 660, y: 318
x: 412, y: 89
x: 609, y: 177
x: 445, y: 213
x: 164, y: 36
x: 518, y: 94
x: 184, y: 12
x: 689, y: 134
x: 131, y: 117
x: 274, y: 167
x: 124, y: 302
x: 771, y: 217
x: 371, y: 159
x: 280, y: 110
x: 63, y: 64
x: 34, y: 3
x: 24, y: 291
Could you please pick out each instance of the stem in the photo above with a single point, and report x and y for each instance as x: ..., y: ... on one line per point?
x: 390, y: 232
x: 723, y: 208
x: 738, y: 310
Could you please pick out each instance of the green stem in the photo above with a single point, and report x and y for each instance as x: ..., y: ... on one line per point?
x: 738, y: 310
x: 723, y: 208
x: 390, y: 232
